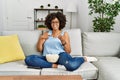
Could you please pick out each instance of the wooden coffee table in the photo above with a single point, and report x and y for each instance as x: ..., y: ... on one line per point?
x: 46, y: 77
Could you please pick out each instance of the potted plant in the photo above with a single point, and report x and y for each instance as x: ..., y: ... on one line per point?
x: 48, y: 5
x: 106, y: 12
x: 42, y: 27
x: 41, y: 6
x: 56, y: 7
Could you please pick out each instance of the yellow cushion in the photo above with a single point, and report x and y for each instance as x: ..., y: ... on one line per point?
x: 10, y: 49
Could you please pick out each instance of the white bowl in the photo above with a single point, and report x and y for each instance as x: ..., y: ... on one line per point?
x: 53, y: 58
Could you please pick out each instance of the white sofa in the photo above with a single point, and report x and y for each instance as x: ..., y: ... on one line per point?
x: 104, y: 46
x: 101, y: 43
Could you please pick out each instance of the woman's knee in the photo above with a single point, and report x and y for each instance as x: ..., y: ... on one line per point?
x: 74, y: 64
x: 71, y: 67
x: 29, y: 58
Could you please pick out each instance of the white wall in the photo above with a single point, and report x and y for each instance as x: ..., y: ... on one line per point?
x: 117, y: 24
x: 83, y: 17
x: 16, y: 13
x: 1, y: 14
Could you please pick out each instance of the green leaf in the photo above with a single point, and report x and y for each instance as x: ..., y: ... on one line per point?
x: 105, y: 14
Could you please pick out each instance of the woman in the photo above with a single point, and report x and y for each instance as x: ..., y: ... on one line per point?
x: 55, y: 41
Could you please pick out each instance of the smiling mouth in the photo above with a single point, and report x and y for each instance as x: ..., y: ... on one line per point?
x: 55, y: 26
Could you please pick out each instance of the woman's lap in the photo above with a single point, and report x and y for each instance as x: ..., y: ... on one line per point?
x: 64, y: 59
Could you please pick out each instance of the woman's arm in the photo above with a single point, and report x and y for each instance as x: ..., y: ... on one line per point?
x: 41, y: 41
x: 66, y: 42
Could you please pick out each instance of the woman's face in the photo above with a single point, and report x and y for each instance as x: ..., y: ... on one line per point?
x: 55, y: 24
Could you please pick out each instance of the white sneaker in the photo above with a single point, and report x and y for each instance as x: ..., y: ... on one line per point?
x: 91, y: 59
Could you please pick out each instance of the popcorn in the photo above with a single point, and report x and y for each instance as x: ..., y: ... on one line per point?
x: 53, y: 58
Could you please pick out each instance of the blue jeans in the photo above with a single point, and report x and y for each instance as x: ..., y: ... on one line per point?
x: 65, y: 59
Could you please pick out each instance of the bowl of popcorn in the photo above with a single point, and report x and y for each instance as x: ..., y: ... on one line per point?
x: 53, y: 58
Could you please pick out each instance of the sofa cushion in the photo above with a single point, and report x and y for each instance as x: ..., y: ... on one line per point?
x: 17, y: 68
x: 10, y: 49
x: 86, y: 70
x: 119, y: 54
x: 101, y: 43
x: 0, y: 33
x: 75, y: 41
x: 109, y: 68
x: 28, y: 40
